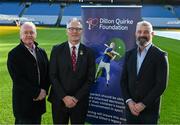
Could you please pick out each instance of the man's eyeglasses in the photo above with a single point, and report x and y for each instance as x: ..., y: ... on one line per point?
x: 28, y: 32
x: 73, y: 28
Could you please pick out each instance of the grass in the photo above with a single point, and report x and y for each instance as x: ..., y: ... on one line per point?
x: 171, y: 101
x: 47, y: 37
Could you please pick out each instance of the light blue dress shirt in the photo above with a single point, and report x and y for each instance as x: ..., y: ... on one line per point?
x: 141, y: 55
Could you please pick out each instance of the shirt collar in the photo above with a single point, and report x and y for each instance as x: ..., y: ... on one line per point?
x: 77, y: 45
x: 147, y: 47
x: 34, y: 46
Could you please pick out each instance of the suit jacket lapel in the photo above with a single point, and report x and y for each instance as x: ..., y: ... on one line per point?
x: 80, y: 55
x: 146, y: 61
x: 67, y: 55
x: 39, y: 58
x: 134, y: 61
x: 26, y: 51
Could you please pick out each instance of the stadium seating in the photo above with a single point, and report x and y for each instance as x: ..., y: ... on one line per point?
x: 10, y: 8
x: 47, y: 14
x: 163, y: 16
x: 156, y: 11
x: 42, y: 13
x: 177, y: 11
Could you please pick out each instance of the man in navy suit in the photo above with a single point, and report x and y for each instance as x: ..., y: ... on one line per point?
x: 28, y: 68
x: 144, y: 77
x: 72, y: 71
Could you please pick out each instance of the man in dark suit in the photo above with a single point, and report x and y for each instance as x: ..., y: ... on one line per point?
x: 144, y: 77
x: 72, y: 71
x: 28, y: 68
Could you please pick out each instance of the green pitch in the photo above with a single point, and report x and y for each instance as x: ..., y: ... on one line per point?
x: 47, y: 37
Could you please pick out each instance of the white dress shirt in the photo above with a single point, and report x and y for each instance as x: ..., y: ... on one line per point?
x: 77, y: 48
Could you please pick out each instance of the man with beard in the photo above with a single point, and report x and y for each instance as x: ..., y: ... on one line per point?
x: 144, y: 78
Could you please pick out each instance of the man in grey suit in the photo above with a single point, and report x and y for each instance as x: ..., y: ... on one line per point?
x: 144, y: 77
x: 72, y: 71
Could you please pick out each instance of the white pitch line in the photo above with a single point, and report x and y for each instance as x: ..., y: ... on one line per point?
x: 169, y: 34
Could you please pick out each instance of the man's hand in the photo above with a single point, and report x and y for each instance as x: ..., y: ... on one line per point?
x: 75, y: 100
x: 41, y: 96
x: 70, y: 101
x: 131, y: 105
x: 139, y: 106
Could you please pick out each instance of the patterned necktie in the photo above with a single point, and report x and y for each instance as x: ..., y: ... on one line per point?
x: 73, y: 57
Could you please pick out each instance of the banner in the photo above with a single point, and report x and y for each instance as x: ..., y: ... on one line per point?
x: 109, y: 31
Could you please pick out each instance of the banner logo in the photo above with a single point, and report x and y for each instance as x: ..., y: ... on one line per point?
x: 92, y: 23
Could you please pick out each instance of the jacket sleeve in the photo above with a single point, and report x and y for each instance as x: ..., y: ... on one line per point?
x: 16, y: 72
x: 162, y: 71
x: 85, y: 89
x: 53, y: 73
